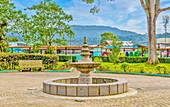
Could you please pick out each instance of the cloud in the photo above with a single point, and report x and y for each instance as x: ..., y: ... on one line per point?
x: 124, y: 14
x: 134, y: 22
x: 136, y: 25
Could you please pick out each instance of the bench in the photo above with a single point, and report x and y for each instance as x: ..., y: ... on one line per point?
x: 30, y: 64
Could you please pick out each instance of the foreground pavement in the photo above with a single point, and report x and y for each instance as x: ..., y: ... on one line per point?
x: 24, y: 89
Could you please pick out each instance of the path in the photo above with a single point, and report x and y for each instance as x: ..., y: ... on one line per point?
x: 24, y: 90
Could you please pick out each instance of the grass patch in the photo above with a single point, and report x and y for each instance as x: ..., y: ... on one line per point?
x: 59, y: 64
x: 139, y: 67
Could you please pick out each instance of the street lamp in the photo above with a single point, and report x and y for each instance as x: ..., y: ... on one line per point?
x: 165, y: 21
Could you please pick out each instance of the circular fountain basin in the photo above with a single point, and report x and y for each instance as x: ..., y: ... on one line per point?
x: 101, y: 86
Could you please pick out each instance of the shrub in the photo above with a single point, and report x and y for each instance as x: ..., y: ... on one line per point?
x: 4, y: 65
x: 114, y: 59
x: 141, y: 69
x: 132, y: 59
x: 103, y: 58
x: 124, y: 67
x: 161, y: 68
x: 103, y: 67
x: 11, y: 60
x: 164, y: 60
x: 65, y: 58
x: 97, y: 59
x: 122, y: 59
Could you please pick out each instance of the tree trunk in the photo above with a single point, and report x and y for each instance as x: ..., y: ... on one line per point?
x: 152, y: 58
x: 151, y: 20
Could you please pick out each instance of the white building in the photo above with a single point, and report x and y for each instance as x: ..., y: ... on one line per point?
x: 17, y: 44
x: 163, y: 43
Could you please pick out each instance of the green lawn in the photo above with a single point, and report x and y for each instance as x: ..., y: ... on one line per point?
x: 138, y: 67
x: 59, y: 64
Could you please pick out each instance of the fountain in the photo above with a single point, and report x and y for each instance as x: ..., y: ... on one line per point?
x: 85, y: 85
x: 85, y: 65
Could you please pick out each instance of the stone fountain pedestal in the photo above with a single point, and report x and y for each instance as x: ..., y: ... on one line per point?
x: 84, y: 79
x: 85, y: 65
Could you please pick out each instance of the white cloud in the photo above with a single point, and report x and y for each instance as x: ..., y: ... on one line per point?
x: 135, y: 25
x: 133, y: 6
x: 124, y: 14
x: 134, y: 22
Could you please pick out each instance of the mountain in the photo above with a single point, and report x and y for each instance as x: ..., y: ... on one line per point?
x: 93, y: 33
x: 163, y: 35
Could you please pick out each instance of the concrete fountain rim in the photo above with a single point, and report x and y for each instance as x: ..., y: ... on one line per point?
x: 130, y: 92
x: 87, y: 63
x: 51, y: 82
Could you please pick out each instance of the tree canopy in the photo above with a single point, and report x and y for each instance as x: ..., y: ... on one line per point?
x: 48, y: 21
x: 106, y: 36
x: 3, y: 43
x: 41, y: 28
x: 116, y: 45
x: 12, y: 39
x: 10, y: 19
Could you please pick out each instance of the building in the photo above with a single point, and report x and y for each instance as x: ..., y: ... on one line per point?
x: 163, y: 43
x: 126, y: 46
x: 17, y: 44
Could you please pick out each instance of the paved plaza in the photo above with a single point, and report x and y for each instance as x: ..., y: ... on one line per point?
x: 24, y: 89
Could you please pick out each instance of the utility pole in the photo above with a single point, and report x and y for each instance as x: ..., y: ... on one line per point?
x: 165, y: 21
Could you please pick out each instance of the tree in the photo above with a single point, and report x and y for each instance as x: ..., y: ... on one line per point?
x: 10, y: 18
x: 3, y: 43
x: 106, y: 36
x: 10, y: 39
x: 29, y: 34
x: 152, y: 10
x: 49, y: 20
x: 61, y: 42
x: 114, y: 56
x: 116, y: 45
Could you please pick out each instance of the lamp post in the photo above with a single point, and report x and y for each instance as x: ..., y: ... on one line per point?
x: 165, y: 21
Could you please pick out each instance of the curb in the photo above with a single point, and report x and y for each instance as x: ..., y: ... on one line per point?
x: 135, y: 73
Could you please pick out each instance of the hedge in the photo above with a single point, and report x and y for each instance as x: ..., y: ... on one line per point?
x: 104, y: 59
x: 164, y: 60
x: 132, y: 59
x: 64, y: 58
x: 10, y: 60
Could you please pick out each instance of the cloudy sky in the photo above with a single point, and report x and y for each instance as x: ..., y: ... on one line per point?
x: 123, y: 14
